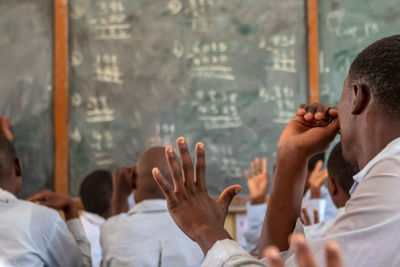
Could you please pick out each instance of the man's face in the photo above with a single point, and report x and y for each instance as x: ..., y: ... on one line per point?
x: 345, y: 117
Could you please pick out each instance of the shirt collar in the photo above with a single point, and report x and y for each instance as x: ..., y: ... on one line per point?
x: 93, y: 218
x: 391, y: 149
x: 150, y: 205
x: 6, y: 196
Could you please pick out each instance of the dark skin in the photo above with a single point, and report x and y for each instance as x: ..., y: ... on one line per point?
x: 13, y: 182
x: 138, y: 178
x: 338, y: 195
x: 365, y: 131
x: 198, y: 215
x: 57, y: 201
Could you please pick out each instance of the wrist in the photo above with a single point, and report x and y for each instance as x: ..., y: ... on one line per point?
x: 70, y: 210
x: 207, y: 235
x: 315, y: 192
x: 257, y: 200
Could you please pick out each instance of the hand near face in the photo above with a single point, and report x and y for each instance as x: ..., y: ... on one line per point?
x: 317, y: 178
x: 312, y: 129
x: 198, y: 215
x: 123, y: 183
x: 304, y: 255
x: 56, y: 201
x: 258, y: 184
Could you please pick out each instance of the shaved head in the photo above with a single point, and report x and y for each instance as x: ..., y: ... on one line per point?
x: 146, y: 186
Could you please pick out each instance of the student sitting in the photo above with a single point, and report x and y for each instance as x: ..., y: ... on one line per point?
x: 315, y: 195
x: 340, y: 182
x: 33, y: 235
x: 95, y: 193
x: 369, y: 113
x: 146, y: 235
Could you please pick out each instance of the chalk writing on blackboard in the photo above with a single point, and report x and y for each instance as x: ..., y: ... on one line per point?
x: 98, y: 110
x: 106, y: 69
x: 283, y: 97
x: 281, y: 48
x: 111, y: 23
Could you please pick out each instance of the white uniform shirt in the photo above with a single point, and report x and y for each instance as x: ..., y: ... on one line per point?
x: 147, y: 236
x: 91, y: 224
x: 256, y: 214
x: 368, y: 232
x: 33, y: 235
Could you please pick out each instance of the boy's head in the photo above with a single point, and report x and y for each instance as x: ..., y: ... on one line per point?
x: 340, y: 178
x: 370, y: 100
x: 145, y: 185
x: 95, y: 192
x: 10, y: 167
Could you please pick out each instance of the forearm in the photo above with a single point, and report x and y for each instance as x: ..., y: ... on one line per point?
x: 119, y: 203
x: 285, y: 199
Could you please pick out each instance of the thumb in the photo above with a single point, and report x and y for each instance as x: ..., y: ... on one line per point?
x: 228, y: 194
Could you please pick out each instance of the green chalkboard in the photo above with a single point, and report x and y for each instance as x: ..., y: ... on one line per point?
x: 229, y: 73
x: 26, y: 42
x: 346, y: 28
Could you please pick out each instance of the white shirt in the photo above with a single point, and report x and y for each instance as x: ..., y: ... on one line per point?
x: 368, y: 232
x: 33, y: 235
x: 91, y: 224
x: 256, y: 213
x: 147, y: 236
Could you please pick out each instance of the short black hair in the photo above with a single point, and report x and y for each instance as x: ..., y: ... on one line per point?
x: 7, y: 156
x: 95, y: 192
x: 341, y: 170
x: 314, y: 160
x: 378, y: 67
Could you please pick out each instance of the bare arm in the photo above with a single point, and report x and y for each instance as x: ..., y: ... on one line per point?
x: 307, y: 134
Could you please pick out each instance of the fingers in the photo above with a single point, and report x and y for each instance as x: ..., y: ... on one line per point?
x: 272, y: 256
x: 165, y: 187
x: 39, y: 197
x: 227, y: 195
x: 318, y: 165
x: 200, y: 177
x: 317, y: 111
x: 264, y: 165
x: 303, y: 253
x: 253, y: 168
x: 333, y: 258
x: 175, y: 170
x: 307, y: 219
x: 258, y: 165
x: 316, y: 216
x: 187, y: 164
x: 246, y: 174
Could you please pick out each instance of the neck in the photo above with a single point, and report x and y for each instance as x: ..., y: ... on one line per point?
x: 6, y: 186
x: 378, y: 132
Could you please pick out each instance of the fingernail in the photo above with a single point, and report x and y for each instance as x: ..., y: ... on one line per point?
x: 200, y: 145
x: 170, y: 149
x: 155, y: 171
x: 181, y: 140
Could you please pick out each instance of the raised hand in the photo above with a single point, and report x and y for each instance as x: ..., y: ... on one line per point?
x: 198, y: 215
x: 258, y: 184
x: 304, y: 256
x: 307, y: 220
x: 56, y: 201
x: 124, y: 181
x: 317, y: 178
x: 5, y: 128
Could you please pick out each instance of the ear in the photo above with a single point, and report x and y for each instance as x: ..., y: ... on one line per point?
x: 134, y: 177
x: 332, y: 187
x: 18, y: 167
x: 361, y: 96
